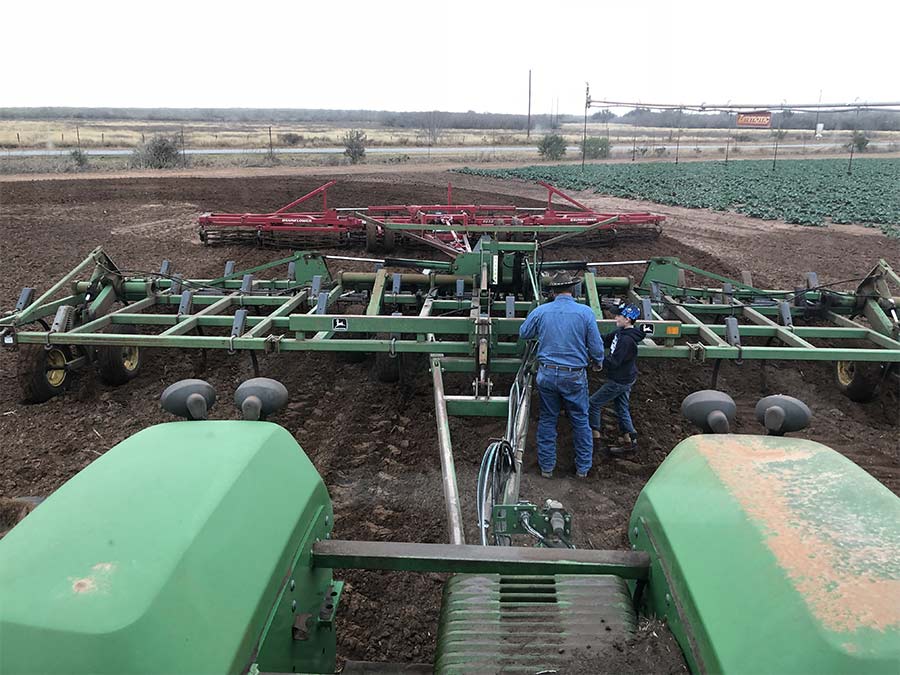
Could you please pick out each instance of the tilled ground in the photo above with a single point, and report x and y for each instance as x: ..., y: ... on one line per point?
x: 374, y: 444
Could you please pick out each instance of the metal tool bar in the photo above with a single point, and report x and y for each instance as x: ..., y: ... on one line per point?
x: 708, y: 336
x: 445, y: 449
x: 616, y: 263
x: 374, y: 308
x: 236, y: 277
x: 590, y: 283
x: 283, y: 311
x: 477, y: 406
x: 366, y: 279
x: 455, y: 406
x: 868, y: 334
x: 479, y: 228
x: 408, y: 557
x: 102, y: 322
x: 48, y: 309
x: 782, y: 333
x: 192, y: 321
x: 452, y: 364
x: 585, y: 230
x: 31, y: 311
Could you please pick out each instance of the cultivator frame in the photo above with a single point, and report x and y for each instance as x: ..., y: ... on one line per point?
x: 450, y: 228
x: 488, y: 292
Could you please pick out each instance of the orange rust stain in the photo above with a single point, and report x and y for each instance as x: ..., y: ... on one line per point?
x: 842, y: 599
x: 85, y: 585
x: 97, y: 581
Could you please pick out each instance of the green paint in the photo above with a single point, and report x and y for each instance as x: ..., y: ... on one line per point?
x: 740, y: 529
x: 169, y: 554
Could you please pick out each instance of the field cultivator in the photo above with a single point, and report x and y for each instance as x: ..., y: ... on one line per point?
x: 450, y: 228
x: 208, y: 543
x: 467, y: 309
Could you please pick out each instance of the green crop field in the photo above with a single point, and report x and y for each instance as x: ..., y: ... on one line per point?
x: 809, y: 192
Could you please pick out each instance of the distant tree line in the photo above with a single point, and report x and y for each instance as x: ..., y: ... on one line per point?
x: 868, y: 120
x: 431, y: 119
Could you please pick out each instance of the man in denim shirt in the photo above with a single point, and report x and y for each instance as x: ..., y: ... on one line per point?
x: 568, y: 340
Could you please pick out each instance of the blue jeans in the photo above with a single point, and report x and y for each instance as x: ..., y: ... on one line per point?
x: 558, y: 388
x: 620, y: 395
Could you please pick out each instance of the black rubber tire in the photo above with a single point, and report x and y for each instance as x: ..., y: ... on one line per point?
x: 34, y: 361
x: 389, y: 240
x: 352, y: 357
x: 387, y: 368
x: 858, y: 380
x: 371, y: 238
x: 117, y: 364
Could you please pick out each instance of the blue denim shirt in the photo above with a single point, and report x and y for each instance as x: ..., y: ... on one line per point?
x: 566, y: 331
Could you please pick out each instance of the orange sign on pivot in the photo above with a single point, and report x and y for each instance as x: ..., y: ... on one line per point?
x: 761, y: 119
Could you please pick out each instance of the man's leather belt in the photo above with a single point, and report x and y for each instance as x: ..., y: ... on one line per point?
x: 565, y: 368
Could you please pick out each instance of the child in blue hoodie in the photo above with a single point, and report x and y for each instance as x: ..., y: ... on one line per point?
x: 621, y: 373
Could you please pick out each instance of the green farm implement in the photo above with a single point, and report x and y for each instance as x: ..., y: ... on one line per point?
x: 205, y: 546
x: 464, y: 314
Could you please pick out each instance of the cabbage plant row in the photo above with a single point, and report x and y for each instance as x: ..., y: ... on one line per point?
x: 809, y: 191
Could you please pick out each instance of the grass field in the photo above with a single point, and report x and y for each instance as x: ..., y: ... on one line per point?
x: 809, y: 192
x: 70, y: 133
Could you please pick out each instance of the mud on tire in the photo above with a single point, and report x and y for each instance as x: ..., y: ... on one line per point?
x: 858, y: 380
x: 41, y: 372
x: 118, y: 364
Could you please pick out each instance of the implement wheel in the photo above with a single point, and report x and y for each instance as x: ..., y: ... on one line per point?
x: 42, y: 372
x: 119, y: 364
x: 371, y: 237
x: 858, y: 380
x: 387, y: 367
x: 388, y: 240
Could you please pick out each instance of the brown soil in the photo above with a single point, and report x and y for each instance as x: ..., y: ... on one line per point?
x: 374, y: 444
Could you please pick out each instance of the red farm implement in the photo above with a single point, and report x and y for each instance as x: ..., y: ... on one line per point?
x: 451, y: 228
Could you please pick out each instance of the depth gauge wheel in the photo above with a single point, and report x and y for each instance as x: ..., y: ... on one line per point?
x: 42, y: 372
x: 858, y: 380
x: 118, y: 364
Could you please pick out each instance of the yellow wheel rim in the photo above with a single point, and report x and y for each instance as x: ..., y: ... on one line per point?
x: 845, y: 372
x: 56, y: 364
x: 131, y: 358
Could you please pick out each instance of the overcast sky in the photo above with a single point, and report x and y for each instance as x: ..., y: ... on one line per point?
x: 449, y: 55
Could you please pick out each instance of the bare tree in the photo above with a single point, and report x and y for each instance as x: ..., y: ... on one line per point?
x: 433, y: 127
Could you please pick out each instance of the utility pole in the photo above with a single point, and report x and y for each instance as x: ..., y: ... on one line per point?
x: 816, y: 125
x: 778, y: 136
x: 587, y: 104
x: 528, y: 132
x: 853, y: 143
